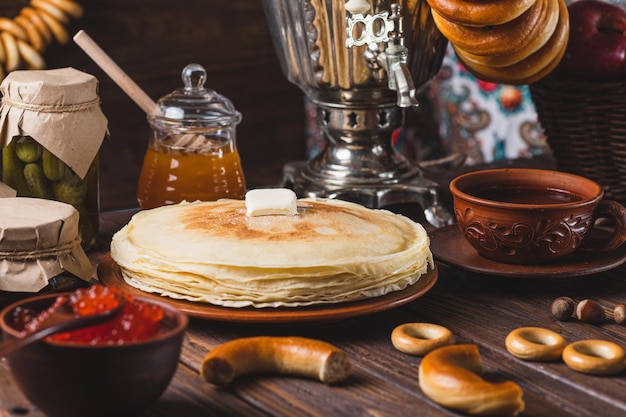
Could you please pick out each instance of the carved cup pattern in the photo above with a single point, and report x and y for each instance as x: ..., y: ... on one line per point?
x: 556, y: 237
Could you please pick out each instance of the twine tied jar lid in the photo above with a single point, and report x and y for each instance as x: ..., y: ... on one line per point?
x: 39, y: 239
x: 59, y: 108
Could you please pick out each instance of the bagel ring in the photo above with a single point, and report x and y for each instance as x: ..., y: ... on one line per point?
x: 530, y: 69
x: 12, y: 53
x: 501, y: 39
x: 535, y: 344
x: 451, y: 377
x: 35, y: 18
x: 480, y: 13
x: 598, y: 357
x: 420, y: 338
x: 69, y: 7
x: 547, y: 40
x: 31, y: 57
x: 51, y: 10
x: 13, y: 28
x: 35, y: 38
x: 58, y: 30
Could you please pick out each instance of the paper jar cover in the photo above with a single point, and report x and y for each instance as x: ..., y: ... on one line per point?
x: 39, y: 239
x: 59, y: 108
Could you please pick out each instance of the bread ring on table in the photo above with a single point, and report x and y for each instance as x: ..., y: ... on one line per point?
x: 34, y: 17
x: 420, y: 338
x: 13, y: 28
x: 598, y: 357
x: 68, y: 7
x: 30, y: 56
x: 482, y: 12
x: 298, y: 356
x: 535, y: 344
x: 451, y: 377
x: 530, y: 69
x: 35, y: 38
x: 56, y: 28
x: 12, y: 53
x: 502, y: 39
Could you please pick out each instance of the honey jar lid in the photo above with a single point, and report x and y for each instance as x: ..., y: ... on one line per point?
x: 193, y: 104
x: 39, y: 239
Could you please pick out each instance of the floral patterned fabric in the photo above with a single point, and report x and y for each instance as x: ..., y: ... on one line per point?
x: 496, y: 121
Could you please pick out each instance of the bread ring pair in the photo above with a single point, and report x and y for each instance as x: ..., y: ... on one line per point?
x: 598, y: 357
x: 451, y: 377
x: 535, y: 344
x: 420, y: 338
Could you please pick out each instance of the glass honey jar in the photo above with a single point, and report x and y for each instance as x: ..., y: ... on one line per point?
x: 192, y: 153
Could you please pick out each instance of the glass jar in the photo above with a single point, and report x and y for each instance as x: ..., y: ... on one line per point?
x: 192, y: 153
x: 52, y: 128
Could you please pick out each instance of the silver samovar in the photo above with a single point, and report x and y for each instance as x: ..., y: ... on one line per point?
x: 361, y: 65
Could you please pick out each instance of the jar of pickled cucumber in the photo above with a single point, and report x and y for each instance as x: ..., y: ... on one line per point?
x: 192, y: 154
x: 51, y: 129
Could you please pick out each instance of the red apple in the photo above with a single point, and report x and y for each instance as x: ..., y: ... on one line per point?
x: 596, y: 49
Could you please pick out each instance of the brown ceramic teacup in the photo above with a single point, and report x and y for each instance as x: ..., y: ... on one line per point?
x: 533, y: 216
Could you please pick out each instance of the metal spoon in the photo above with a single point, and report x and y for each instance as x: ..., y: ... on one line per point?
x: 61, y: 319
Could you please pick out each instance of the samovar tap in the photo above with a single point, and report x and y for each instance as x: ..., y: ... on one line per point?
x: 393, y: 59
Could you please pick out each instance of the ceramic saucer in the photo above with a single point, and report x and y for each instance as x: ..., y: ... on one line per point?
x: 450, y: 247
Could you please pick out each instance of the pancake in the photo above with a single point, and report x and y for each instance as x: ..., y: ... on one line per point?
x: 330, y: 251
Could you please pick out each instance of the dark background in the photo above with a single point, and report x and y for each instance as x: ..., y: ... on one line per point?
x: 152, y: 41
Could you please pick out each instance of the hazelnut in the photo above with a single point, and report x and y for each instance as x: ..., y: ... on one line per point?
x: 563, y: 308
x: 589, y: 311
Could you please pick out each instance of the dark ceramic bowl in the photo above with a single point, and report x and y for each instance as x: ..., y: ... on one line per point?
x: 533, y: 216
x: 78, y: 380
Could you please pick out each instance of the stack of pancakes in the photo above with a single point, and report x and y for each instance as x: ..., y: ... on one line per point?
x: 505, y: 41
x: 330, y: 251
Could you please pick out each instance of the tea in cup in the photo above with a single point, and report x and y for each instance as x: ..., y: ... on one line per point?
x: 534, y: 216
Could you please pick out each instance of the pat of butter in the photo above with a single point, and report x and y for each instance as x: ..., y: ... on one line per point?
x: 271, y: 201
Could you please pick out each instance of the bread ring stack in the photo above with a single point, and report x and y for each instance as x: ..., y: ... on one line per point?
x: 505, y: 41
x: 24, y: 39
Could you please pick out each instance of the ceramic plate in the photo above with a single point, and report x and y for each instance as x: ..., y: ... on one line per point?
x: 450, y: 247
x: 110, y: 274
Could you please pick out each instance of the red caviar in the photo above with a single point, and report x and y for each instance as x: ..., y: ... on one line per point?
x: 137, y: 321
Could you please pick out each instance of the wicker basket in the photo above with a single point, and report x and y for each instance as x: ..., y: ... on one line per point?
x: 585, y: 126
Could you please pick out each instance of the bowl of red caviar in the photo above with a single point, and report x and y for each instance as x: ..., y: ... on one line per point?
x: 115, y: 368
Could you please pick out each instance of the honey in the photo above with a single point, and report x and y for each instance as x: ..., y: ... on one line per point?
x: 170, y: 176
x: 192, y: 153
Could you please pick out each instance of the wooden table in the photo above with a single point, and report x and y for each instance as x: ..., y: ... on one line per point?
x: 478, y: 309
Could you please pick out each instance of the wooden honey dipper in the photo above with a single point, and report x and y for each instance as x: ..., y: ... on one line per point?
x: 191, y: 141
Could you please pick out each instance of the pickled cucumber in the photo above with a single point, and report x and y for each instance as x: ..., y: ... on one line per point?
x: 13, y: 170
x: 70, y: 188
x: 38, y: 185
x: 27, y: 149
x: 53, y: 167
